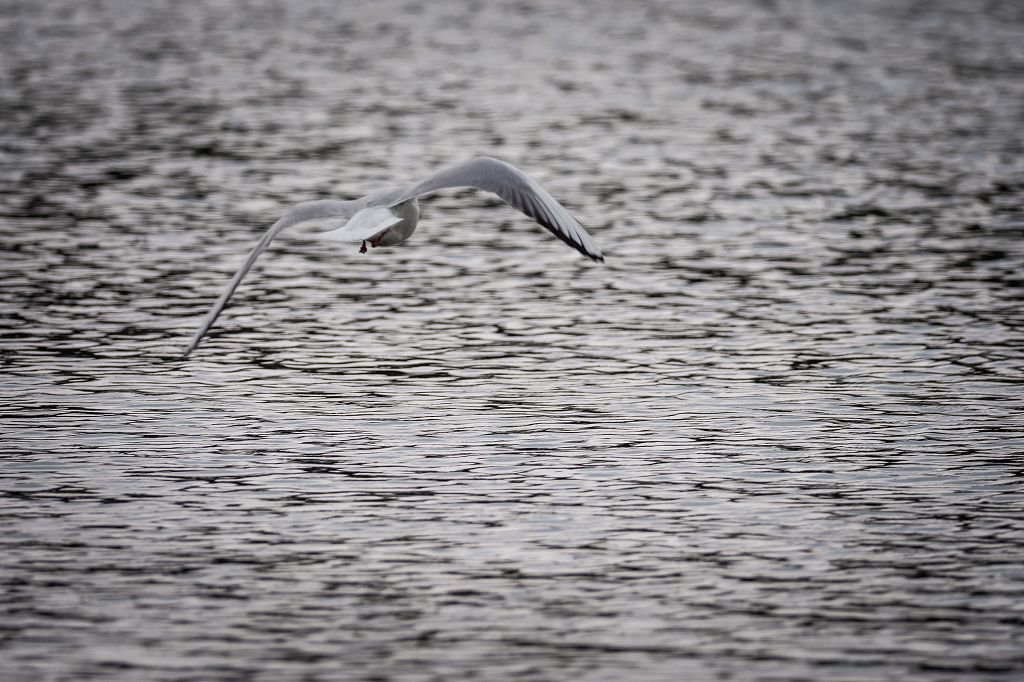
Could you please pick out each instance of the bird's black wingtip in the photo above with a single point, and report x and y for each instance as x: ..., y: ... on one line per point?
x: 192, y: 345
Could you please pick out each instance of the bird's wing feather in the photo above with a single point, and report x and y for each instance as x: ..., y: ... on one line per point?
x: 366, y: 224
x: 311, y: 210
x: 518, y: 190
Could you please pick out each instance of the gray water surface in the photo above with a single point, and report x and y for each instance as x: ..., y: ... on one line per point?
x: 777, y: 437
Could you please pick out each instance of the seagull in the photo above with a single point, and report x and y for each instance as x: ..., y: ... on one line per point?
x: 389, y: 217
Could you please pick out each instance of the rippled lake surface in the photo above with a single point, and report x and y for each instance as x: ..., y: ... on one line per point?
x: 777, y: 436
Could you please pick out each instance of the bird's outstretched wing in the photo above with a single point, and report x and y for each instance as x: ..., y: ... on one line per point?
x: 518, y: 190
x: 310, y: 210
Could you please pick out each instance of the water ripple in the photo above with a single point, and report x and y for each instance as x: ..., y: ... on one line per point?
x: 777, y: 436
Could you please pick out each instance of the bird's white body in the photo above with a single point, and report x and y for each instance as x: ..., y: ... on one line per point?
x: 379, y: 225
x: 389, y: 217
x: 409, y: 212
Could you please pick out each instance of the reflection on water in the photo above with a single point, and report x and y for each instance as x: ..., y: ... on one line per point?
x: 776, y: 437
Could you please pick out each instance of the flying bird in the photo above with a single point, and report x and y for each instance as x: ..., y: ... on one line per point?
x: 389, y: 217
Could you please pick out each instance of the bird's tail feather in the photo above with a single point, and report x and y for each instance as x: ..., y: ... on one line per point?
x: 364, y: 225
